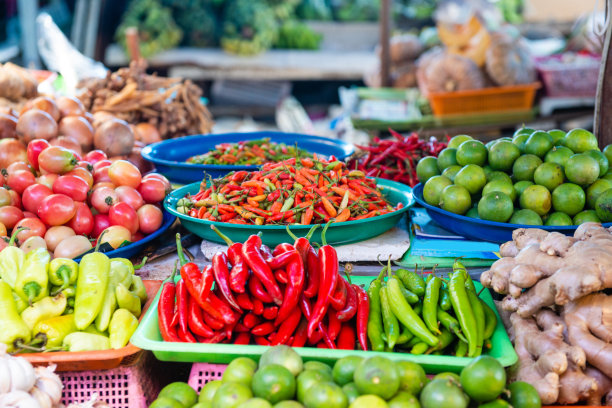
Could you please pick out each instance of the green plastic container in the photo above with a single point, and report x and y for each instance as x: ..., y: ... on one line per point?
x: 337, y: 234
x: 148, y: 337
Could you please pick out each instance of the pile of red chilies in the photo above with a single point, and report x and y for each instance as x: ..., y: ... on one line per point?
x: 396, y: 158
x: 252, y: 295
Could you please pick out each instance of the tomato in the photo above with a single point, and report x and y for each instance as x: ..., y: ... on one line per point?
x: 101, y: 164
x: 95, y: 156
x: 123, y: 214
x: 5, y: 197
x: 35, y: 228
x: 34, y: 148
x: 15, y: 198
x: 159, y: 177
x: 72, y: 186
x: 129, y: 195
x: 29, y: 214
x: 152, y: 190
x: 116, y: 235
x: 17, y: 166
x: 57, y: 234
x: 20, y: 180
x: 124, y: 173
x: 82, y: 173
x: 57, y: 159
x: 137, y: 236
x: 47, y: 179
x: 1, y: 179
x: 83, y: 221
x: 102, y: 175
x: 57, y: 209
x: 3, y: 233
x: 149, y: 218
x: 103, y: 184
x: 102, y: 198
x: 33, y: 196
x: 10, y: 216
x: 101, y: 222
x: 85, y: 165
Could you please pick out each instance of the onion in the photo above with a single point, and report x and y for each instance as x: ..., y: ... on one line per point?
x: 89, y: 117
x: 137, y: 160
x: 79, y: 129
x: 115, y: 137
x: 69, y: 105
x: 36, y: 124
x: 101, y: 117
x: 68, y: 142
x: 57, y: 234
x: 147, y: 133
x: 33, y: 242
x: 43, y: 103
x: 7, y: 110
x: 8, y: 124
x: 11, y: 150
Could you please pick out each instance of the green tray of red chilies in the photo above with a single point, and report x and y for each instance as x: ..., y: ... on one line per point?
x: 148, y: 337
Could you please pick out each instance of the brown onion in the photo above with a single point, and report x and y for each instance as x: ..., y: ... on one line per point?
x: 68, y: 142
x: 147, y: 133
x: 8, y: 124
x: 57, y: 234
x: 89, y: 117
x: 78, y: 128
x: 69, y: 105
x: 7, y: 110
x: 43, y: 103
x: 36, y: 124
x: 11, y: 150
x: 137, y: 160
x: 114, y: 137
x: 101, y: 117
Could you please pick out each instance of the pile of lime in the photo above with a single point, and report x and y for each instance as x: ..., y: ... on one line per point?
x: 283, y: 380
x: 532, y: 178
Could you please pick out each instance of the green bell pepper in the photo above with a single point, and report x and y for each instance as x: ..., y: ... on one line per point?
x: 127, y: 300
x: 13, y: 331
x: 63, y: 273
x: 11, y: 261
x: 81, y: 341
x: 45, y: 308
x: 122, y: 327
x: 54, y: 330
x: 110, y: 300
x: 138, y: 288
x: 91, y: 286
x: 32, y: 282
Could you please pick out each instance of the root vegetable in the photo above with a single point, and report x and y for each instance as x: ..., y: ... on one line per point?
x: 36, y: 124
x: 67, y: 142
x: 69, y: 106
x: 45, y: 104
x: 79, y: 129
x: 114, y: 137
x: 11, y: 150
x: 147, y: 133
x: 8, y: 125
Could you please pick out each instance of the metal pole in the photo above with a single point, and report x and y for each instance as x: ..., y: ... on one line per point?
x: 602, y: 126
x: 385, y: 28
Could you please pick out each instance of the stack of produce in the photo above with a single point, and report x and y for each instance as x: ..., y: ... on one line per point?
x: 534, y: 178
x: 17, y: 85
x: 559, y: 311
x: 53, y: 194
x: 408, y: 314
x: 404, y: 50
x: 295, y: 191
x: 292, y: 295
x: 394, y: 159
x: 61, y: 305
x: 283, y: 380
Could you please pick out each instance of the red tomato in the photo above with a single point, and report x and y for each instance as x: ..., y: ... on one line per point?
x: 101, y: 222
x: 35, y: 228
x: 116, y: 235
x: 33, y: 196
x: 5, y: 197
x: 85, y: 165
x: 57, y: 209
x: 95, y: 156
x: 103, y: 184
x: 159, y: 177
x: 34, y: 148
x: 15, y: 198
x: 129, y: 195
x: 57, y: 159
x: 47, y: 179
x: 102, y: 198
x: 123, y: 214
x: 18, y: 166
x: 82, y: 173
x: 137, y: 236
x: 73, y: 186
x: 101, y: 164
x: 1, y: 179
x: 152, y: 190
x: 28, y: 214
x: 124, y: 173
x: 20, y: 180
x: 149, y: 218
x: 3, y: 233
x: 10, y: 215
x: 102, y: 175
x: 83, y: 221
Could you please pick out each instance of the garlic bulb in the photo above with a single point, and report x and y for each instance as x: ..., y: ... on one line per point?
x: 18, y: 399
x: 16, y: 373
x: 49, y: 383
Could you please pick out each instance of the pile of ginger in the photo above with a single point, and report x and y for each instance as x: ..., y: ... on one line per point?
x: 558, y: 311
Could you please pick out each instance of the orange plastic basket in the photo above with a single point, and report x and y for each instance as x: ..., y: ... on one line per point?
x: 498, y: 99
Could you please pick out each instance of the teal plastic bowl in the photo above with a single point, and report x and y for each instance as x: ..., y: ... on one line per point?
x: 337, y: 233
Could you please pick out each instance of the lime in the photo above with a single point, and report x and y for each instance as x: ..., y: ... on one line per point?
x: 500, y: 185
x: 495, y: 206
x: 557, y: 135
x: 240, y: 370
x: 283, y: 355
x: 206, y: 404
x: 524, y: 395
x: 404, y: 400
x: 274, y: 383
x: 377, y: 375
x: 585, y: 216
x: 595, y: 190
x: 166, y: 402
x: 326, y: 395
x: 369, y: 401
x: 520, y: 186
x: 318, y: 366
x: 180, y: 391
x: 607, y: 176
x: 559, y: 155
x: 549, y: 175
x: 603, y: 206
x: 602, y: 160
x: 472, y: 177
x: 455, y: 199
x: 447, y: 375
x: 472, y: 213
x: 498, y: 403
x: 288, y: 404
x: 503, y: 154
x: 568, y: 198
x: 539, y: 143
x: 559, y: 219
x: 307, y: 379
x: 451, y: 172
x: 580, y: 140
x: 490, y: 144
x: 457, y: 140
x: 536, y: 198
x: 582, y: 169
x: 471, y: 152
x: 433, y: 189
x: 525, y: 217
x: 523, y: 131
x: 427, y: 167
x: 443, y: 393
x: 255, y: 403
x: 412, y: 376
x: 345, y: 368
x: 446, y: 158
x: 231, y: 395
x: 499, y: 175
x: 208, y: 390
x: 608, y: 152
x: 351, y: 391
x: 483, y: 379
x: 525, y: 166
x: 519, y: 141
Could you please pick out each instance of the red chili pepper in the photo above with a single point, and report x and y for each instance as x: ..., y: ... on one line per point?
x: 196, y: 320
x: 270, y: 312
x: 338, y: 300
x: 329, y: 343
x: 257, y: 263
x: 258, y: 307
x: 313, y: 272
x: 350, y: 309
x: 333, y: 325
x: 295, y: 276
x: 266, y: 253
x: 221, y: 273
x: 281, y: 260
x: 287, y: 328
x: 250, y: 320
x: 165, y: 309
x: 281, y: 249
x: 186, y: 336
x: 211, y: 321
x: 244, y: 301
x: 305, y: 306
x: 217, y: 338
x: 182, y: 306
x: 346, y: 338
x: 242, y: 338
x: 363, y: 313
x: 240, y: 272
x: 175, y: 319
x: 241, y: 328
x: 301, y: 334
x: 257, y: 290
x: 281, y: 276
x: 263, y: 329
x: 261, y: 341
x: 227, y: 314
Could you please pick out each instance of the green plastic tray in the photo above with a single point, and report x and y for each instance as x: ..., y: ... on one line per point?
x: 148, y: 337
x: 337, y: 234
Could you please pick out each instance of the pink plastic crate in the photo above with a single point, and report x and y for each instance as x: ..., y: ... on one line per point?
x: 201, y: 373
x: 564, y: 76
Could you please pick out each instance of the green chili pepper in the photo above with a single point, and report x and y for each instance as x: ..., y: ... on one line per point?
x: 32, y: 282
x: 490, y: 320
x: 138, y: 288
x: 445, y: 338
x: 445, y: 302
x: 122, y: 327
x: 419, y: 348
x: 91, y: 286
x: 11, y: 261
x: 375, y: 325
x: 53, y: 330
x: 463, y: 311
x: 269, y: 183
x: 418, y: 308
x: 413, y: 341
x: 44, y: 309
x: 404, y: 313
x: 287, y: 204
x: 13, y: 330
x: 450, y: 323
x: 92, y: 329
x: 63, y: 273
x: 127, y: 300
x: 479, y: 316
x: 404, y: 336
x: 411, y: 297
x: 69, y: 310
x: 81, y: 341
x: 109, y: 305
x: 20, y: 304
x: 390, y: 323
x: 461, y: 349
x: 412, y: 281
x: 430, y: 304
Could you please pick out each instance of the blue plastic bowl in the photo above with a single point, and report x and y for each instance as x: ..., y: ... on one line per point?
x: 481, y: 230
x: 170, y: 155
